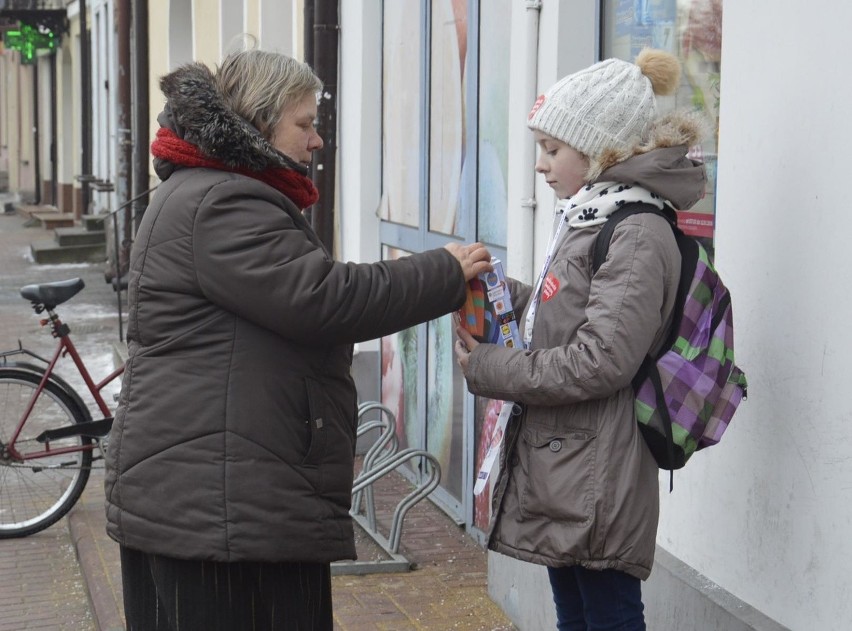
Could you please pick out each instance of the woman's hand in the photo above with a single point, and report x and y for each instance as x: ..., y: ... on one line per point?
x: 474, y: 258
x: 464, y: 347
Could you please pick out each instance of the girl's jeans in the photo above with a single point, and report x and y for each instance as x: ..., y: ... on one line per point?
x: 593, y: 600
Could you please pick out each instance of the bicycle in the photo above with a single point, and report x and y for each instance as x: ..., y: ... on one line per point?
x: 48, y: 440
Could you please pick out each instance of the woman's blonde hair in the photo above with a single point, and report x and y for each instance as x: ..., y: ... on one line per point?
x: 260, y: 85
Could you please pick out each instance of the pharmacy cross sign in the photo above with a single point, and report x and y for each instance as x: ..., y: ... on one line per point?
x: 27, y: 40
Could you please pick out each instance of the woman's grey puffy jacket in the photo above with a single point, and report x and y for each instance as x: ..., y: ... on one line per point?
x: 235, y: 432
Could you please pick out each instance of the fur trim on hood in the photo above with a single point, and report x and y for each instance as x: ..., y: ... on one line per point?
x: 677, y: 128
x: 660, y: 164
x: 196, y: 112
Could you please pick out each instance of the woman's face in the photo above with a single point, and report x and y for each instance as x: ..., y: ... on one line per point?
x: 562, y: 166
x: 295, y: 135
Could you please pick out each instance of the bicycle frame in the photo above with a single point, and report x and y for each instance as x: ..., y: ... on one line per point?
x: 64, y: 347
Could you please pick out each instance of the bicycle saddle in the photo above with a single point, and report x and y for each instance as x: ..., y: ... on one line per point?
x: 52, y: 294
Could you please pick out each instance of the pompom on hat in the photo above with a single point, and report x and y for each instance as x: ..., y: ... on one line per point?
x: 607, y: 106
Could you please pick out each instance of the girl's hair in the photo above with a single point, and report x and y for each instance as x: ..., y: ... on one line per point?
x: 260, y: 85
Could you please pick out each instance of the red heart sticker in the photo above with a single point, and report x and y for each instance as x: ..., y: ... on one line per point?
x: 551, y: 286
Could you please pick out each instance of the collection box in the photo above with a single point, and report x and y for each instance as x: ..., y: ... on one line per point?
x: 487, y: 313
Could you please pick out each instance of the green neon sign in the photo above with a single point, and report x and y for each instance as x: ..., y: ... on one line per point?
x: 27, y: 40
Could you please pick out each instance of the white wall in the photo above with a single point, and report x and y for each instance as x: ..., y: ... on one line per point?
x: 181, y: 34
x: 277, y: 24
x: 232, y: 25
x: 767, y: 513
x: 360, y: 125
x: 565, y: 44
x: 360, y: 132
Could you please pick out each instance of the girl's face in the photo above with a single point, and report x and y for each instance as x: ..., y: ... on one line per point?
x: 562, y: 166
x: 295, y: 135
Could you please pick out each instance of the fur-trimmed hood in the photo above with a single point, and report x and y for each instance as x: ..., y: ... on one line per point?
x: 659, y: 163
x: 196, y: 112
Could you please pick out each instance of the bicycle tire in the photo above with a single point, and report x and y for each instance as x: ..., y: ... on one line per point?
x: 36, y: 493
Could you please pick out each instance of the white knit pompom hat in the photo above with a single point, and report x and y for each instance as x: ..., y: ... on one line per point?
x: 609, y: 105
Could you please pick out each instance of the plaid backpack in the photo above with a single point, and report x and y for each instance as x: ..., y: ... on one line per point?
x: 687, y: 393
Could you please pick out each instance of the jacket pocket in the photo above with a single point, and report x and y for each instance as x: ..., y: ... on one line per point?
x: 317, y: 423
x: 557, y: 474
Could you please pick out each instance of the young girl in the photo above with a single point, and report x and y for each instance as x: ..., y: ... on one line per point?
x: 578, y: 489
x: 230, y: 465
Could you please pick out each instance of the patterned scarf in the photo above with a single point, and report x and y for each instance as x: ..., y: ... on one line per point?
x: 594, y: 203
x: 297, y: 187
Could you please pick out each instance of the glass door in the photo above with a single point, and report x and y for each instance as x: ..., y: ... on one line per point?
x: 440, y: 57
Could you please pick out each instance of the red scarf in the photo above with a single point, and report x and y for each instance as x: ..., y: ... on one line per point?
x: 295, y: 186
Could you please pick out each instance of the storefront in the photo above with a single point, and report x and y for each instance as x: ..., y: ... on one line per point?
x: 448, y: 76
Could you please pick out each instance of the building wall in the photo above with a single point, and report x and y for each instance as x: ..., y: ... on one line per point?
x: 252, y: 17
x: 43, y: 124
x: 207, y: 30
x: 359, y: 153
x: 26, y: 183
x: 17, y: 94
x: 73, y: 165
x: 5, y: 104
x: 232, y: 17
x: 772, y: 504
x: 278, y: 22
x: 158, y: 61
x: 67, y: 122
x: 761, y: 522
x: 9, y: 121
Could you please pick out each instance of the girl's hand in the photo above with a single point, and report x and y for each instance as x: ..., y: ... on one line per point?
x: 464, y: 347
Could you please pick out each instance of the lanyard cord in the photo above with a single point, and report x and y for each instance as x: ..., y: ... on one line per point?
x: 530, y: 319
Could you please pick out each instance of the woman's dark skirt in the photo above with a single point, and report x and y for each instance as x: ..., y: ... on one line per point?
x: 166, y: 594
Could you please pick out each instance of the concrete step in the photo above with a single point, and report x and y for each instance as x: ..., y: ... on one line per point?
x: 8, y: 201
x: 26, y: 210
x: 94, y: 222
x: 50, y: 252
x: 79, y: 236
x: 51, y: 219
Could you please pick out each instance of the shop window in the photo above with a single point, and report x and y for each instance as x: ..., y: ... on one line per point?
x: 401, y: 112
x: 691, y: 30
x: 493, y: 139
x: 445, y: 94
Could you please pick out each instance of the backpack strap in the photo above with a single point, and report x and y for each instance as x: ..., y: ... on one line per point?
x: 601, y: 247
x: 654, y: 374
x: 648, y: 368
x: 688, y: 248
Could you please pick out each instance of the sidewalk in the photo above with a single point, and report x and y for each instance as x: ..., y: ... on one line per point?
x: 446, y: 590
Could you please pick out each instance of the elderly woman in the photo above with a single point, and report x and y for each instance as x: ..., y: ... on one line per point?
x: 230, y: 465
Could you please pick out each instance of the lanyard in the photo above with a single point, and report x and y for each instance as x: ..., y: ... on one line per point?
x: 499, y: 432
x: 530, y: 319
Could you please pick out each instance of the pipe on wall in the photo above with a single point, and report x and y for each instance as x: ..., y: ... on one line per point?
x: 54, y: 133
x: 124, y: 143
x: 139, y: 112
x: 325, y: 57
x: 85, y: 110
x: 36, y: 136
x: 524, y: 249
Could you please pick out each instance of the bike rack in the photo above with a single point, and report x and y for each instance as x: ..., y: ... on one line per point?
x: 385, y: 447
x: 381, y: 458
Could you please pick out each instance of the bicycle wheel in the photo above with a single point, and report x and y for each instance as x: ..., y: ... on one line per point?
x: 36, y: 492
